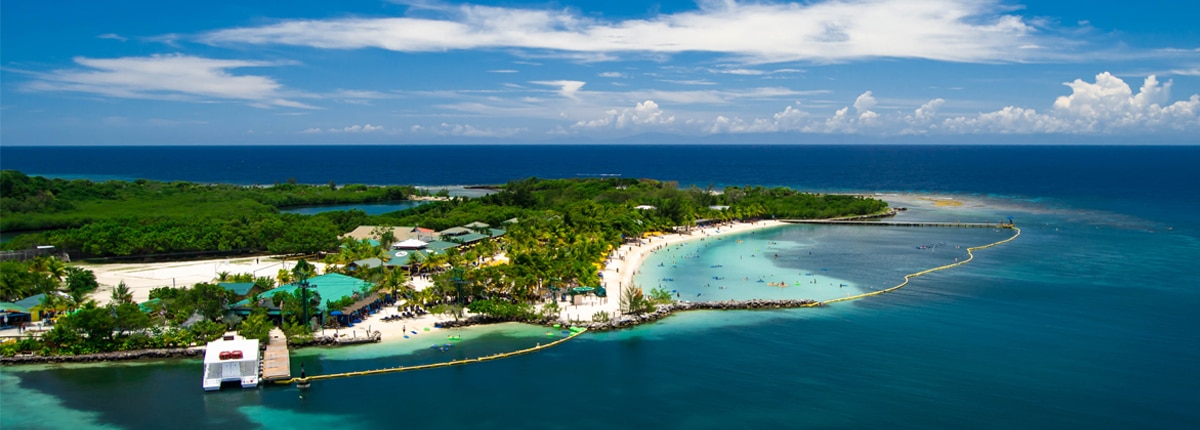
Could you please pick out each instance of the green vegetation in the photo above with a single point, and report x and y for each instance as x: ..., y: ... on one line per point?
x: 176, y: 305
x: 502, y: 310
x: 116, y: 218
x: 660, y: 296
x: 564, y: 230
x: 634, y: 302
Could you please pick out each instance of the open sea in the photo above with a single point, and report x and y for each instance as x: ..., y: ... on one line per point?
x: 1090, y: 319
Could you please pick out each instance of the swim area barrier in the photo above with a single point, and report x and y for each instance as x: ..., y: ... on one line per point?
x: 908, y: 277
x: 577, y: 332
x: 397, y: 369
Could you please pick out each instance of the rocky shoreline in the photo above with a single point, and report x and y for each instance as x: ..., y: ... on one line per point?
x: 663, y: 311
x: 195, y: 351
x: 660, y: 312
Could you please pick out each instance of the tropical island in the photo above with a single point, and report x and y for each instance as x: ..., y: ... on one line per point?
x: 518, y: 254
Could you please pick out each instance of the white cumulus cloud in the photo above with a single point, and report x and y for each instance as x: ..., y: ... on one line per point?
x: 467, y: 130
x: 365, y: 128
x: 755, y: 32
x: 645, y: 113
x: 1107, y: 105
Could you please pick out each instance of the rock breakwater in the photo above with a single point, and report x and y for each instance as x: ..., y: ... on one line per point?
x: 105, y: 356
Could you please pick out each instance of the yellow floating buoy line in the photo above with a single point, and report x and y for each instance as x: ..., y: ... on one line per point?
x: 908, y: 277
x: 433, y: 365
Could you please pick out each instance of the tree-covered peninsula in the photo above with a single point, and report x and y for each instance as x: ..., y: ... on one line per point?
x: 557, y: 232
x: 121, y: 218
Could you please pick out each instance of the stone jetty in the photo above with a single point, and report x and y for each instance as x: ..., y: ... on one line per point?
x: 106, y: 356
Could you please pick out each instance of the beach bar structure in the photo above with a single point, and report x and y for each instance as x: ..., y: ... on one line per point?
x: 231, y: 358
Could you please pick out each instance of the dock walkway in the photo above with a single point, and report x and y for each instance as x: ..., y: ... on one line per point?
x: 276, y: 363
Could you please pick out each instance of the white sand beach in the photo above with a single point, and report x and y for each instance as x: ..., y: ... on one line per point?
x: 143, y: 277
x: 625, y: 261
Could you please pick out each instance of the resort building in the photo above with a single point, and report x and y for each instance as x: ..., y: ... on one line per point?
x: 241, y: 290
x: 32, y: 307
x: 12, y: 314
x: 406, y: 252
x: 334, y: 287
x: 399, y: 233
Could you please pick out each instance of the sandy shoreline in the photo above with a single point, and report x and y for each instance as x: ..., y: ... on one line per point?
x: 624, y: 262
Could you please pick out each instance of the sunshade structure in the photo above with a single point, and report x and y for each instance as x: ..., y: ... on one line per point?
x: 150, y: 305
x: 410, y: 244
x: 455, y: 231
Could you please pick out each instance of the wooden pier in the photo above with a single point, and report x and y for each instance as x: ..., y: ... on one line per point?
x: 277, y: 362
x: 901, y: 224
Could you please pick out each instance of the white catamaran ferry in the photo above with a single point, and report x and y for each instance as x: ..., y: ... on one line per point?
x: 231, y: 358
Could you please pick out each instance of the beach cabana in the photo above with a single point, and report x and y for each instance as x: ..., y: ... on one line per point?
x: 578, y: 292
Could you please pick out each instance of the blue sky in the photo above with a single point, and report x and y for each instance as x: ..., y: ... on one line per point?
x: 428, y: 71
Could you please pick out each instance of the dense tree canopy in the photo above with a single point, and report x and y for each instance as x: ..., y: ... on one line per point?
x: 117, y: 218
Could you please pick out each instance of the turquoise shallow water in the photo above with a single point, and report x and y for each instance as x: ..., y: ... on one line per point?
x: 1088, y: 320
x: 805, y: 261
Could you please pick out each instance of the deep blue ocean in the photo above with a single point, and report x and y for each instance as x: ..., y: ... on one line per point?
x: 1088, y: 320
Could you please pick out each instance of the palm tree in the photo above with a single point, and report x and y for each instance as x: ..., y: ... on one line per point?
x: 303, y: 270
x: 416, y: 261
x: 80, y: 282
x: 284, y: 277
x: 51, y: 301
x: 121, y: 294
x: 50, y: 266
x: 392, y: 280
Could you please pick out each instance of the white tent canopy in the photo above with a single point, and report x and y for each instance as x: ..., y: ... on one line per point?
x: 409, y: 244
